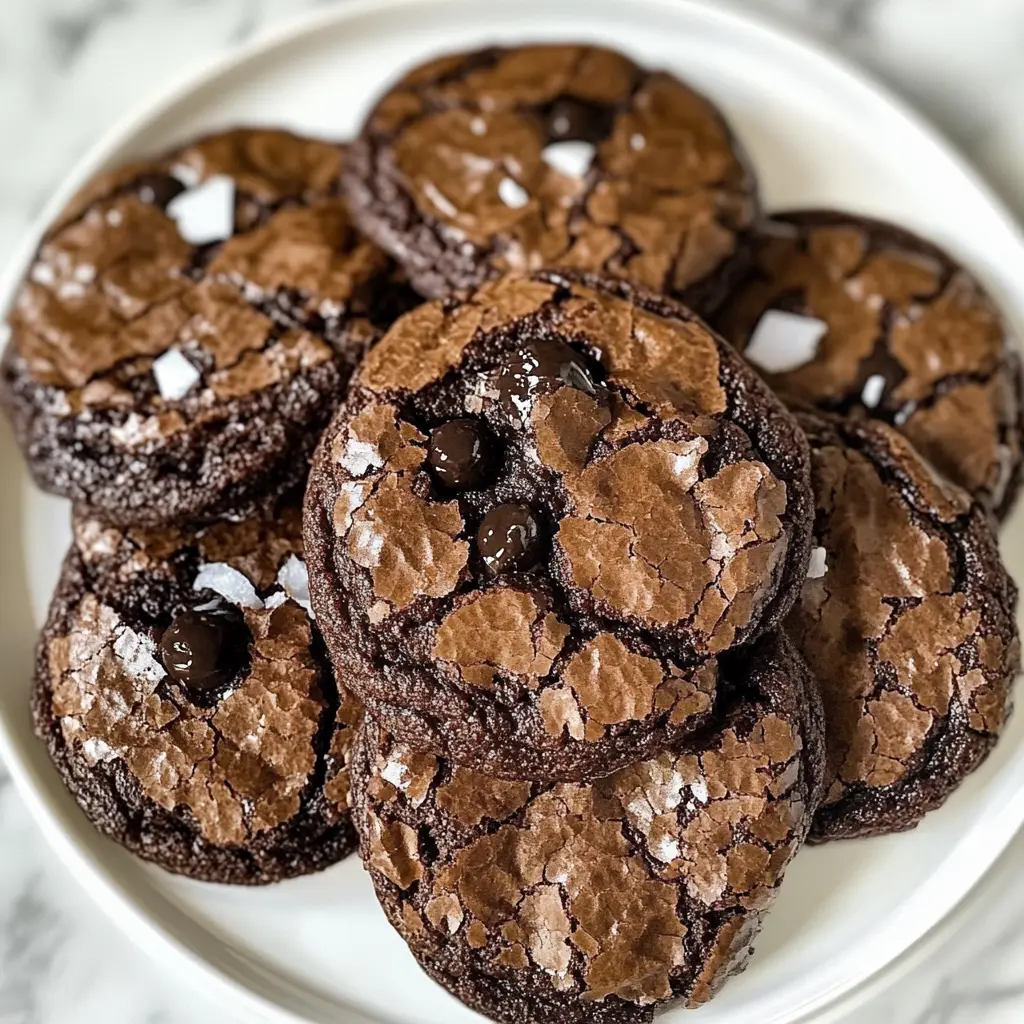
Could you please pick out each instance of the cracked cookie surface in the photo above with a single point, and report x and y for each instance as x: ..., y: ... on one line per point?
x: 186, y: 699
x: 597, y: 903
x: 539, y: 514
x: 907, y: 619
x: 187, y: 326
x: 873, y: 321
x: 480, y: 163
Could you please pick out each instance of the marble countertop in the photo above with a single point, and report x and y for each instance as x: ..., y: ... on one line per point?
x: 959, y: 61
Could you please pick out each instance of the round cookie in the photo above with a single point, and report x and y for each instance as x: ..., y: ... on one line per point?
x: 856, y: 316
x: 579, y: 903
x: 539, y: 513
x: 481, y: 163
x: 187, y: 326
x: 186, y: 699
x: 907, y: 619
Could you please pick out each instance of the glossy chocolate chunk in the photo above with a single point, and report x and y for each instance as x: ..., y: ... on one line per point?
x: 541, y: 366
x: 461, y: 454
x: 508, y: 538
x: 204, y: 650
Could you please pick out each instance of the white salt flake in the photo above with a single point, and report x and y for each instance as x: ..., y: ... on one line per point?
x: 637, y: 142
x: 138, y: 655
x: 478, y: 126
x: 818, y: 566
x: 276, y: 599
x: 205, y: 213
x: 232, y: 585
x: 175, y: 375
x: 572, y: 158
x: 871, y: 394
x: 294, y: 578
x: 699, y: 789
x: 512, y: 194
x: 785, y: 341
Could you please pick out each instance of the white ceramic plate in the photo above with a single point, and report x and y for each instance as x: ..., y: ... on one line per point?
x: 318, y: 949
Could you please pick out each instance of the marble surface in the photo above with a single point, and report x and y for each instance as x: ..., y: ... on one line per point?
x: 69, y: 68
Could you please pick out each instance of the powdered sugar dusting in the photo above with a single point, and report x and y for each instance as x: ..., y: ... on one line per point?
x: 137, y: 653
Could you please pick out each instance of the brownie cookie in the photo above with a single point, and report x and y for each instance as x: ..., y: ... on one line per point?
x: 856, y: 316
x: 578, y: 903
x: 553, y: 156
x: 185, y: 698
x: 907, y: 620
x: 188, y: 325
x: 539, y: 513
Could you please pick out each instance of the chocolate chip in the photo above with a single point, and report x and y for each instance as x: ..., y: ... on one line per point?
x: 157, y: 189
x: 460, y: 454
x: 544, y: 366
x: 204, y: 649
x: 579, y: 121
x: 508, y: 538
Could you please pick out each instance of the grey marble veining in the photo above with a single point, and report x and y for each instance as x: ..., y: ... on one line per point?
x: 69, y: 68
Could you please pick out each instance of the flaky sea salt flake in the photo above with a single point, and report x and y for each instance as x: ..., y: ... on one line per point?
x: 205, y: 213
x: 572, y: 158
x: 232, y: 585
x: 784, y: 341
x: 175, y: 375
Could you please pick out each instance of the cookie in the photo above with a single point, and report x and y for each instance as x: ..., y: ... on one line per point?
x: 553, y: 156
x: 907, y: 619
x: 540, y: 512
x: 187, y: 326
x: 187, y: 702
x: 579, y: 903
x: 855, y: 316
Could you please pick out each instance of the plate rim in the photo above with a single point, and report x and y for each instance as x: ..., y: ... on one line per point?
x: 89, y: 869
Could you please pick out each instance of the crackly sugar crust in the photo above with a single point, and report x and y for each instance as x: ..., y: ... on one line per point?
x: 898, y: 307
x: 272, y: 319
x: 596, y: 903
x: 667, y: 203
x: 679, y: 521
x: 910, y: 630
x: 248, y: 789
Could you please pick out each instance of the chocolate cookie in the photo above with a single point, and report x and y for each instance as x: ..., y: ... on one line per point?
x: 188, y: 325
x: 907, y: 620
x: 539, y: 511
x: 856, y: 316
x: 186, y: 699
x: 553, y: 156
x: 582, y: 903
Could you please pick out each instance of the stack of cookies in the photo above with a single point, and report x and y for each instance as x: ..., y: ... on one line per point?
x: 592, y: 615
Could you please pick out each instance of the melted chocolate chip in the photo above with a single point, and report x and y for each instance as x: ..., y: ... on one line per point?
x: 508, y: 538
x: 578, y: 121
x: 158, y: 189
x: 204, y: 649
x: 460, y: 454
x: 543, y: 366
